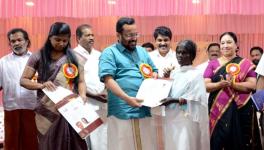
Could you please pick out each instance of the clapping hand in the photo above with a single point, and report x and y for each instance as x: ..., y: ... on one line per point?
x: 167, y: 71
x: 224, y: 83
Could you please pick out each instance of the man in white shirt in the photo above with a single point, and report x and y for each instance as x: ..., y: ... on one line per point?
x: 163, y: 57
x: 213, y: 52
x: 94, y: 88
x: 18, y: 102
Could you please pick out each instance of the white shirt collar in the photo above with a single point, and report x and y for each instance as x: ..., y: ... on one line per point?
x: 27, y: 54
x: 167, y: 55
x: 83, y: 50
x: 184, y: 68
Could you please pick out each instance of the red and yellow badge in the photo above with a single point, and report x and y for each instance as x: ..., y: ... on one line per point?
x: 70, y: 71
x: 146, y: 70
x: 233, y: 69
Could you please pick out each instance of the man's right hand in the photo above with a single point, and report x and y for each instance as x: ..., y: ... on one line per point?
x: 134, y: 102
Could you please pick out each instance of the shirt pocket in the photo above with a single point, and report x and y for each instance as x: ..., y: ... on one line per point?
x: 10, y: 91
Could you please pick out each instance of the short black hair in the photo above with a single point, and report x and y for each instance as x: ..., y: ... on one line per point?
x: 148, y: 45
x: 256, y: 48
x: 232, y: 34
x: 79, y: 29
x: 122, y: 21
x: 25, y: 34
x: 190, y: 46
x: 162, y: 30
x: 211, y: 45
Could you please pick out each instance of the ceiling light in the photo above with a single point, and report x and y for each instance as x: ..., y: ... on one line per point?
x: 111, y: 2
x: 30, y: 3
x: 195, y: 1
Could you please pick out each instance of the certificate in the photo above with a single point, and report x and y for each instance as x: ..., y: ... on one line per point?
x: 152, y: 91
x: 81, y: 116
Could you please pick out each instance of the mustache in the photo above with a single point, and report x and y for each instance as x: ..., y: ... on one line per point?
x: 214, y: 55
x: 163, y: 46
x: 18, y: 48
x: 132, y: 41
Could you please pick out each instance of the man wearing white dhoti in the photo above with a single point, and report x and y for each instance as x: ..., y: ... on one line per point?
x: 123, y: 67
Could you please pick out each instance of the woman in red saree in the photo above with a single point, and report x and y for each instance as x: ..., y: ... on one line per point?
x: 55, y: 133
x: 230, y: 80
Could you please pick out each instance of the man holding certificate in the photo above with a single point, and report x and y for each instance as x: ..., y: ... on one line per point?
x: 123, y: 67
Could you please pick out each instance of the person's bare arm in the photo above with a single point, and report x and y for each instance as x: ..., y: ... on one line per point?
x: 82, y: 86
x: 27, y: 83
x: 210, y: 86
x: 112, y: 85
x: 248, y: 85
x: 260, y: 83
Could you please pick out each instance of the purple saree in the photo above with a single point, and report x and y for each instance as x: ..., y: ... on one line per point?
x: 230, y: 111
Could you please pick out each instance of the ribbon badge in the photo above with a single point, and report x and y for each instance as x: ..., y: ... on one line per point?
x: 146, y: 70
x: 70, y: 71
x: 233, y: 70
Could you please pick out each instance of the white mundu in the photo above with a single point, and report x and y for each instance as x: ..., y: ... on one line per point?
x: 132, y: 134
x: 94, y: 86
x: 163, y: 62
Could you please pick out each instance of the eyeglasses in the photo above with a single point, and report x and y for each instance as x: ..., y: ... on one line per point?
x: 131, y: 35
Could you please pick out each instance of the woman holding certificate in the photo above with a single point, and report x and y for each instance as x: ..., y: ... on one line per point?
x: 186, y: 122
x: 230, y: 80
x: 56, y: 65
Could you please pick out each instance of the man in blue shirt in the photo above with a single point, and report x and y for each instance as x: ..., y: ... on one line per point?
x: 120, y: 68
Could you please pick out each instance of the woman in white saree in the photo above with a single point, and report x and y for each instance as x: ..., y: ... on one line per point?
x: 186, y: 121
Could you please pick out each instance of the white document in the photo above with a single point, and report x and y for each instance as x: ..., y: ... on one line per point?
x: 59, y: 94
x: 81, y: 116
x: 152, y: 91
